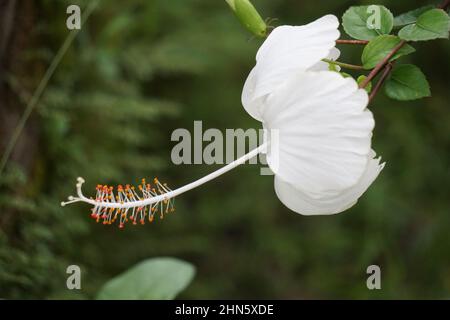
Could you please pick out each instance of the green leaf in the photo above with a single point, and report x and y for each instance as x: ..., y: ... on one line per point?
x: 430, y: 25
x: 364, y: 22
x: 407, y: 82
x: 361, y: 79
x: 152, y: 279
x: 380, y: 47
x: 410, y: 16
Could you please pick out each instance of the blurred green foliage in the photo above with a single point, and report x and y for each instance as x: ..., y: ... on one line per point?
x: 140, y: 69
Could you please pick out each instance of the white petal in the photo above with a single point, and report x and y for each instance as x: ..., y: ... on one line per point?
x: 324, y: 66
x: 251, y: 105
x: 335, y: 53
x: 290, y: 49
x: 324, y: 131
x: 303, y: 203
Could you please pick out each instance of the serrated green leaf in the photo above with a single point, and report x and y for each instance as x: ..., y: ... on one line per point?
x: 407, y: 82
x: 380, y: 47
x: 430, y: 25
x: 361, y: 79
x: 356, y: 22
x: 410, y: 16
x: 152, y: 279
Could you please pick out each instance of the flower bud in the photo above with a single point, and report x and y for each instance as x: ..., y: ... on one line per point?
x: 248, y: 16
x: 361, y: 79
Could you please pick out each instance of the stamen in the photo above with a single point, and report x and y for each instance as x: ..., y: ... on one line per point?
x: 110, y: 206
x: 129, y: 204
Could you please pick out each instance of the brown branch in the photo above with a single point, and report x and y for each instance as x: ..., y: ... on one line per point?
x: 381, y: 64
x: 385, y: 74
x: 386, y: 59
x: 361, y: 42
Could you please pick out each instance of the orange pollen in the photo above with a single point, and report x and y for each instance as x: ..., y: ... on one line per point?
x: 126, y: 194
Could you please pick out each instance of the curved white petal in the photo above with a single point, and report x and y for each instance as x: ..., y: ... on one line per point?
x: 251, y: 105
x: 290, y: 49
x: 324, y: 131
x: 324, y: 66
x: 303, y: 203
x: 335, y: 53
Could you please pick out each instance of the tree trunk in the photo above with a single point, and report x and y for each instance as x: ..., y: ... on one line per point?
x: 16, y: 38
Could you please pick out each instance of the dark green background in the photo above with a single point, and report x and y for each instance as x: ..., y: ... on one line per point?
x: 140, y: 69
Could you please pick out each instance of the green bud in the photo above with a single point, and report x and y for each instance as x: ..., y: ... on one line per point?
x: 249, y: 17
x: 361, y: 80
x: 333, y: 67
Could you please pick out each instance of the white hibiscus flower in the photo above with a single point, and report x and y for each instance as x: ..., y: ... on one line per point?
x: 324, y: 157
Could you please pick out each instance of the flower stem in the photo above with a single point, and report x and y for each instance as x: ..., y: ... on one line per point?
x: 170, y: 194
x: 343, y: 65
x: 359, y: 42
